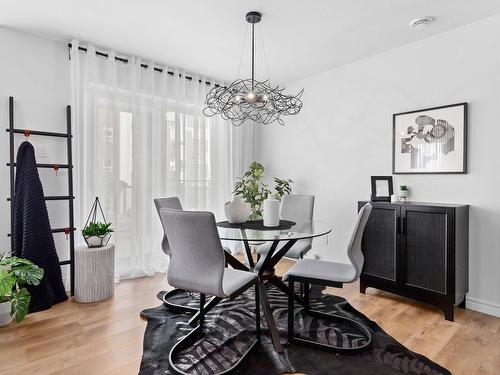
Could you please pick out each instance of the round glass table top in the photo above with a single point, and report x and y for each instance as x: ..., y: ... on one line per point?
x: 297, y: 231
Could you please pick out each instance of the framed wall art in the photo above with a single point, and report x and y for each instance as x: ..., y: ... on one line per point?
x: 432, y: 140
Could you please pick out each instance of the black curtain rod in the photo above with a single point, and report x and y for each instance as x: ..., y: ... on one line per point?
x: 145, y: 66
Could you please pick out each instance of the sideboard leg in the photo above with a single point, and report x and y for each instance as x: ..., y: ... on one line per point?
x: 448, y: 312
x: 362, y: 286
x: 462, y: 304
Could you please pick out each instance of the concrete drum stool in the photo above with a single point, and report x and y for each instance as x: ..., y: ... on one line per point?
x: 94, y: 273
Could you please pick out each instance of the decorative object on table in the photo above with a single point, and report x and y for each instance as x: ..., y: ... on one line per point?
x: 419, y: 251
x: 253, y: 191
x: 271, y: 212
x: 94, y: 273
x: 403, y: 192
x: 250, y: 99
x: 394, y: 198
x: 33, y: 238
x: 432, y: 140
x: 382, y: 188
x: 237, y: 211
x: 15, y: 274
x: 96, y: 233
x: 166, y: 326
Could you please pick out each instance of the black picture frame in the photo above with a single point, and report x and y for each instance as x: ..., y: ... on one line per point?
x: 464, y: 106
x: 381, y: 198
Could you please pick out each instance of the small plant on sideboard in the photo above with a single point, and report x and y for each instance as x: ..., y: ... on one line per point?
x: 403, y: 192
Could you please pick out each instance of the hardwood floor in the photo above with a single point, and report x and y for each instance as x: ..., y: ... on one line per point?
x: 106, y: 337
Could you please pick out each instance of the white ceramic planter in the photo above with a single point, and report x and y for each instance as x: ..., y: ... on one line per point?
x: 237, y: 211
x: 271, y: 212
x: 5, y: 317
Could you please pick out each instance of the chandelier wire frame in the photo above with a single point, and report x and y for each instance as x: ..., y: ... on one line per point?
x: 251, y: 100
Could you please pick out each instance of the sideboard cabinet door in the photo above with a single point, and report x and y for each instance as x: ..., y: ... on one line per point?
x: 424, y: 250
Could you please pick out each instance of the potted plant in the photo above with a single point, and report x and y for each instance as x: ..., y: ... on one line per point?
x: 15, y: 274
x: 252, y: 190
x: 96, y: 233
x: 403, y: 192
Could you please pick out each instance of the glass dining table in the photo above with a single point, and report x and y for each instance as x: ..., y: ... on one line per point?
x: 282, y: 239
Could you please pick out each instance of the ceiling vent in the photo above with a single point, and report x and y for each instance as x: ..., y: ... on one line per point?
x: 420, y: 23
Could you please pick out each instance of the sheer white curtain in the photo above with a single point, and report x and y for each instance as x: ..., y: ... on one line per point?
x: 141, y: 134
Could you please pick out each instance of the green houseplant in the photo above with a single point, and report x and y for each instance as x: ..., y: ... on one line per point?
x: 252, y: 190
x: 15, y: 274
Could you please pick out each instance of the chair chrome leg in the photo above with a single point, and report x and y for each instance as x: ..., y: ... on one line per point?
x: 176, y: 306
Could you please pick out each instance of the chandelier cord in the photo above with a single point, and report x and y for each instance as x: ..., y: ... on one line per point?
x: 242, y: 52
x: 265, y: 55
x: 253, y: 54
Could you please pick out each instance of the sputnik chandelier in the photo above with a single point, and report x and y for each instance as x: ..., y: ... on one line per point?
x: 249, y: 99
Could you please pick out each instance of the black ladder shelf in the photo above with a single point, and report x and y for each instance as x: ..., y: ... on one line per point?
x: 70, y: 230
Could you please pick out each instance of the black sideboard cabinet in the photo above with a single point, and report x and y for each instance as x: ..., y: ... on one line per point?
x: 418, y: 250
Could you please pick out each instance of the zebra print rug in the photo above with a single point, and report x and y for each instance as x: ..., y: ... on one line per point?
x: 230, y: 329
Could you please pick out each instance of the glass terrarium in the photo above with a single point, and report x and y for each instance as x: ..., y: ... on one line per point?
x: 97, y: 231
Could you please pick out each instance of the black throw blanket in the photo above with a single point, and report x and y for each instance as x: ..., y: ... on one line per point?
x: 32, y: 233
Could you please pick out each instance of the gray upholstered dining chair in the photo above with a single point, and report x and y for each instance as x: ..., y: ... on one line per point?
x: 169, y: 297
x: 300, y: 209
x: 170, y: 202
x: 197, y: 264
x: 318, y: 272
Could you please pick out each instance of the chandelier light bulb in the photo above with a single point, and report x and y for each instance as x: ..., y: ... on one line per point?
x: 251, y: 97
x: 265, y: 98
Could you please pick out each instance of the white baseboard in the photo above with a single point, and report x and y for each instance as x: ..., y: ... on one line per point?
x: 483, y: 306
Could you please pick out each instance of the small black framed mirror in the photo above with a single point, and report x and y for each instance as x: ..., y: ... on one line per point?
x: 382, y: 188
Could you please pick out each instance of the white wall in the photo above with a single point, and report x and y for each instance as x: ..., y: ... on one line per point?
x: 35, y: 71
x: 343, y: 136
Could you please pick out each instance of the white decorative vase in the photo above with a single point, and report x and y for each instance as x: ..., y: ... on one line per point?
x: 271, y: 212
x: 5, y: 317
x: 237, y: 211
x: 403, y: 194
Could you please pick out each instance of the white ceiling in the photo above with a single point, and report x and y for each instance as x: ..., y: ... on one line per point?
x: 301, y: 37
